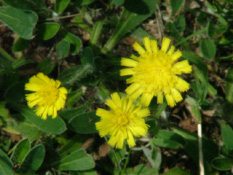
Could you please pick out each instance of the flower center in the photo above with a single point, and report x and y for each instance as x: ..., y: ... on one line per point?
x: 123, y: 120
x: 48, y: 95
x: 154, y: 72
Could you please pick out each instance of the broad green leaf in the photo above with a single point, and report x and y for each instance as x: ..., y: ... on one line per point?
x: 20, y: 151
x: 6, y: 166
x: 73, y: 97
x: 16, y: 92
x: 47, y: 30
x: 34, y: 159
x: 210, y: 148
x: 3, y: 110
x: 71, y: 145
x: 84, y: 123
x: 20, y: 21
x: 175, y: 5
x: 63, y: 48
x: 21, y: 62
x: 168, y: 139
x: 28, y: 130
x: 138, y: 34
x: 46, y: 66
x: 61, y: 5
x: 35, y: 5
x: 54, y: 126
x: 89, y: 172
x: 86, y: 2
x: 153, y: 156
x: 229, y: 85
x: 118, y: 2
x: 208, y: 49
x: 75, y: 42
x: 222, y: 163
x: 227, y: 135
x: 140, y: 169
x: 20, y: 45
x: 195, y: 111
x: 176, y: 171
x: 74, y: 74
x: 76, y: 161
x: 180, y: 23
x: 87, y: 57
x: 69, y: 114
x: 96, y: 32
x: 132, y: 15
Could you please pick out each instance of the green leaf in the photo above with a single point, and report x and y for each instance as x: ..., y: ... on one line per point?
x: 61, y: 5
x: 20, y: 151
x: 20, y: 21
x: 222, y: 163
x: 74, y: 74
x: 176, y: 171
x: 20, y: 45
x: 3, y: 110
x: 47, y: 30
x: 118, y: 2
x: 6, y: 166
x: 34, y: 159
x: 140, y: 169
x: 180, y: 23
x: 227, y: 135
x: 208, y: 49
x: 75, y: 42
x: 46, y: 66
x: 54, y: 126
x: 84, y: 123
x: 21, y: 62
x: 87, y: 57
x: 63, y: 48
x: 86, y: 2
x: 168, y: 139
x: 73, y: 97
x: 140, y: 33
x: 35, y: 5
x: 229, y: 85
x: 77, y: 161
x: 195, y: 111
x: 153, y: 156
x: 175, y: 5
x: 210, y: 148
x: 133, y: 15
x: 13, y: 95
x: 69, y: 114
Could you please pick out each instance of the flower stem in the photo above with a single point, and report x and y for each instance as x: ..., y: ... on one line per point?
x: 201, y: 159
x: 115, y: 156
x: 126, y: 162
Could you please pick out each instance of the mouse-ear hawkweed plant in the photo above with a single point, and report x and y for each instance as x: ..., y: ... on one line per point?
x: 155, y: 72
x: 46, y: 96
x: 124, y: 121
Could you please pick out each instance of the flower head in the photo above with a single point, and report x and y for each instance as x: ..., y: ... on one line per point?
x: 47, y: 95
x: 155, y: 72
x: 124, y: 121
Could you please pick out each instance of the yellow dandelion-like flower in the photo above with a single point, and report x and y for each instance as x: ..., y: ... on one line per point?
x: 46, y: 96
x: 124, y: 121
x: 155, y: 72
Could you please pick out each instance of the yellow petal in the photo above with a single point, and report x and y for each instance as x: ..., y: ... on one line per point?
x: 176, y: 95
x: 165, y: 44
x: 170, y: 100
x: 154, y: 46
x: 146, y: 42
x: 146, y: 99
x: 128, y: 62
x: 132, y: 88
x: 127, y: 71
x: 176, y: 55
x: 137, y: 47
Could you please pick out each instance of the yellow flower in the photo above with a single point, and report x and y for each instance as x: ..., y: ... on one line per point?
x: 46, y: 96
x: 124, y: 121
x: 155, y: 72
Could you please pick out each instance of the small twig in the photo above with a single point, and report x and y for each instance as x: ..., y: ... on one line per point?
x: 201, y: 159
x: 61, y: 17
x: 159, y: 22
